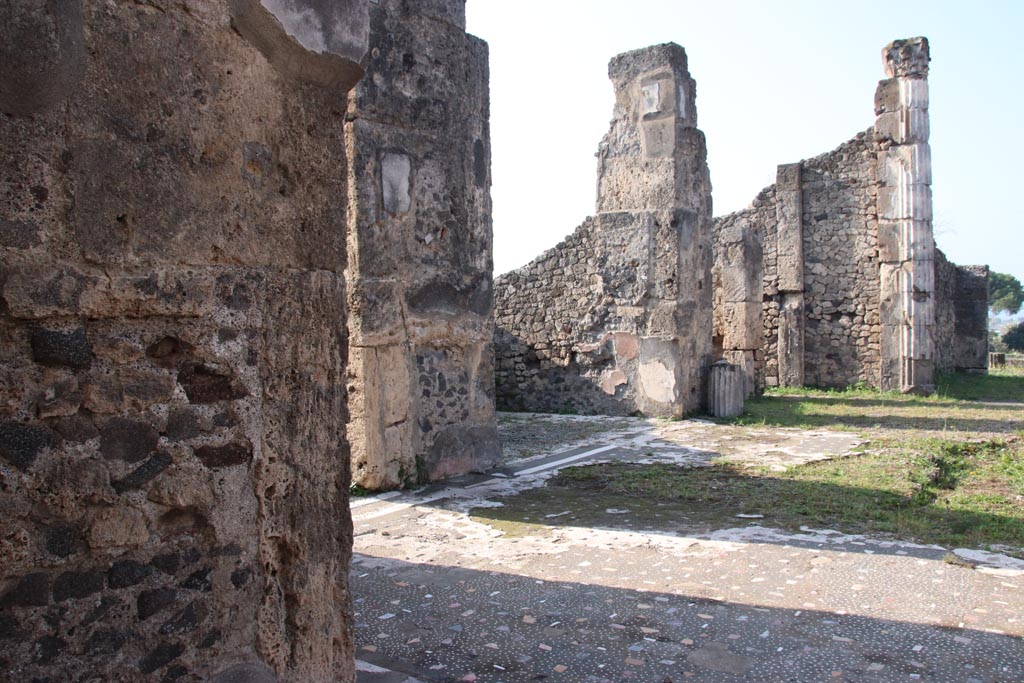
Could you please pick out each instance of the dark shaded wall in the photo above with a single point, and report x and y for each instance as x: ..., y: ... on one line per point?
x: 961, y: 316
x: 173, y: 463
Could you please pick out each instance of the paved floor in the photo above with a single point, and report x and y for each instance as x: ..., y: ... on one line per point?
x: 443, y: 596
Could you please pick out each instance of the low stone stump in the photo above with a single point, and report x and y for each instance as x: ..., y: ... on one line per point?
x: 726, y: 390
x: 997, y: 360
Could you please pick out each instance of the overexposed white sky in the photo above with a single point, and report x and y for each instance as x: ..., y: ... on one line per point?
x: 776, y: 82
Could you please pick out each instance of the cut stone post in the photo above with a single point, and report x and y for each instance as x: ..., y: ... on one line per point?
x: 906, y: 244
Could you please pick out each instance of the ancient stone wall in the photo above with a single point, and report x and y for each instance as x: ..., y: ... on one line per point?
x: 617, y: 318
x: 840, y: 278
x: 739, y: 275
x: 173, y: 463
x: 419, y: 235
x: 961, y: 316
x: 847, y: 261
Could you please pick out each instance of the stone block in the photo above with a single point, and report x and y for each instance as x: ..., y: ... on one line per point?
x: 741, y: 326
x: 791, y: 340
x: 43, y: 55
x: 903, y: 165
x: 375, y: 312
x: 21, y: 444
x: 903, y: 127
x: 57, y: 348
x: 126, y: 439
x: 905, y: 202
x: 118, y: 528
x: 907, y: 58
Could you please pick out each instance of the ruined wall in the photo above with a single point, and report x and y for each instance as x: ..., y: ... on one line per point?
x: 841, y: 290
x: 421, y: 361
x: 847, y: 257
x: 173, y: 463
x: 961, y: 316
x: 617, y: 318
x: 738, y: 275
x: 818, y: 299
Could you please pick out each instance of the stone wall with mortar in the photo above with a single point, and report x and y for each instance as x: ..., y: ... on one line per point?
x: 419, y: 236
x: 173, y: 463
x: 841, y: 290
x: 961, y: 316
x: 617, y: 318
x: 846, y: 259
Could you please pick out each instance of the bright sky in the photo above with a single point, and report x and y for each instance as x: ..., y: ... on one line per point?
x: 776, y: 82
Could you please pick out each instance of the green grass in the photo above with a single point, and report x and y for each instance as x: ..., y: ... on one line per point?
x: 950, y: 493
x: 946, y: 469
x: 1003, y: 384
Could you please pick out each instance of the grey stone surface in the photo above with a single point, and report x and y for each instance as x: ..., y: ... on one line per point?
x: 506, y: 589
x: 419, y: 233
x: 617, y: 318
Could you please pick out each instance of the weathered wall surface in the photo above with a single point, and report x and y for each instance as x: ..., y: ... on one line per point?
x: 421, y: 363
x: 841, y: 323
x: 961, y: 316
x: 173, y: 463
x: 738, y: 276
x: 617, y: 318
x: 847, y: 262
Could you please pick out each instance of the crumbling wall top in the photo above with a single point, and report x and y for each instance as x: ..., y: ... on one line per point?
x: 907, y: 58
x: 636, y: 62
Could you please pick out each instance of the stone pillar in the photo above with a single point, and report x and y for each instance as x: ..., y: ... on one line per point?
x: 905, y: 242
x: 419, y: 235
x: 173, y: 461
x: 738, y: 271
x: 654, y: 230
x: 790, y: 240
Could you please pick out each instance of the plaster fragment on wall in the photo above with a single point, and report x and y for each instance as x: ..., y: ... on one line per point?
x: 394, y: 177
x: 650, y: 99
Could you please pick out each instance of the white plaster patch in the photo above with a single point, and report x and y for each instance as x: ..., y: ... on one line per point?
x: 650, y: 98
x: 394, y: 179
x: 658, y: 382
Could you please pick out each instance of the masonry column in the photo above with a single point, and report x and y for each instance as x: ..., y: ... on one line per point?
x: 789, y: 213
x: 654, y: 231
x: 905, y: 242
x: 421, y: 363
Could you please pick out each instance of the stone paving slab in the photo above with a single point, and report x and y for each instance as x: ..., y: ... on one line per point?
x: 442, y: 596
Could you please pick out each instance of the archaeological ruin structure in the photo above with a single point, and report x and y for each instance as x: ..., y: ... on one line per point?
x: 421, y: 392
x: 191, y: 197
x: 242, y: 237
x: 617, y: 318
x: 831, y: 277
